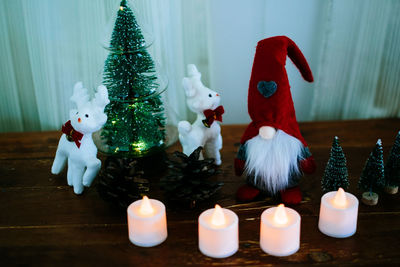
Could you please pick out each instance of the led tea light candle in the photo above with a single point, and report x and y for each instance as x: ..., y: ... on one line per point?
x: 338, y: 214
x: 147, y: 222
x: 218, y: 232
x: 280, y: 231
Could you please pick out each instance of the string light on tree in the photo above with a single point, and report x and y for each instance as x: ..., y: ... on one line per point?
x: 140, y: 146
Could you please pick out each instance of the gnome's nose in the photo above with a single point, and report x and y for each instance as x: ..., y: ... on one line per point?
x: 267, y: 132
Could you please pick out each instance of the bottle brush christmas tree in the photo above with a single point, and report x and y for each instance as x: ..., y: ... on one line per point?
x: 372, y: 177
x: 135, y: 129
x: 392, y: 168
x: 136, y: 123
x: 335, y: 174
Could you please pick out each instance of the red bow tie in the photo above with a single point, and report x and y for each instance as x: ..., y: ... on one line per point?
x: 71, y: 134
x: 212, y: 115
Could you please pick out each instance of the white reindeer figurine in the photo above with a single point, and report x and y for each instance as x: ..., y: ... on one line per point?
x: 76, y: 144
x: 205, y: 131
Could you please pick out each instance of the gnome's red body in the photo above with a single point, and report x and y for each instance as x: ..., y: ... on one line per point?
x: 270, y: 104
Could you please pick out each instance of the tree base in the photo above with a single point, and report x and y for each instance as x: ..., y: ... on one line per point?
x: 391, y: 189
x: 370, y: 199
x: 122, y: 180
x: 151, y: 165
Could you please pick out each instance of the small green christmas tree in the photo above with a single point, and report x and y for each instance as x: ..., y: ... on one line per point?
x: 335, y: 174
x: 392, y: 168
x: 136, y: 123
x: 372, y: 177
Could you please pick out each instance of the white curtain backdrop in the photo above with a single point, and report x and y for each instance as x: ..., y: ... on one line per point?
x: 46, y: 46
x: 180, y: 35
x: 352, y: 47
x: 359, y: 69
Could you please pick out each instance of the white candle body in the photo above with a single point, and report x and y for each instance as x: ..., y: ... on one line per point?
x: 147, y: 231
x: 338, y: 222
x: 218, y: 242
x: 280, y: 240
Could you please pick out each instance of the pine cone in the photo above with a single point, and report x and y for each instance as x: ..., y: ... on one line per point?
x: 187, y: 181
x: 120, y: 181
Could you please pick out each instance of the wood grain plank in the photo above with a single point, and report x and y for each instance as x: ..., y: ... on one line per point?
x: 354, y: 133
x: 108, y: 244
x: 58, y: 204
x: 42, y: 222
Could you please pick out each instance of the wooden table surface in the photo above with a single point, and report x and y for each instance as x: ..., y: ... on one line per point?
x: 42, y: 222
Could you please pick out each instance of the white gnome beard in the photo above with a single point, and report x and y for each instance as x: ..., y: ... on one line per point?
x: 270, y: 163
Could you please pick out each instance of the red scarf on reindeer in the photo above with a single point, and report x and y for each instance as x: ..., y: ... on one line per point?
x: 213, y: 115
x: 71, y: 134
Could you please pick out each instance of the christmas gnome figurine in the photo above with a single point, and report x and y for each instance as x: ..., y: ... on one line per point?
x: 273, y: 153
x: 205, y: 131
x: 76, y: 144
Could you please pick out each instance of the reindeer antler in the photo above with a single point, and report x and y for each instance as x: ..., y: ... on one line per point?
x: 193, y: 72
x: 101, y: 97
x: 80, y: 96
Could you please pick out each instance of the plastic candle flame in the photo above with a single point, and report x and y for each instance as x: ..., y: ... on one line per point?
x: 121, y: 8
x: 340, y: 200
x: 145, y: 208
x: 280, y: 216
x: 218, y: 217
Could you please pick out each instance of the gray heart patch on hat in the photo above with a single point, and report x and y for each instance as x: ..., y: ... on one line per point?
x: 267, y: 89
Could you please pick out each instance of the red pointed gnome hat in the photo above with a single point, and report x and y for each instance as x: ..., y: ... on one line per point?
x: 269, y: 99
